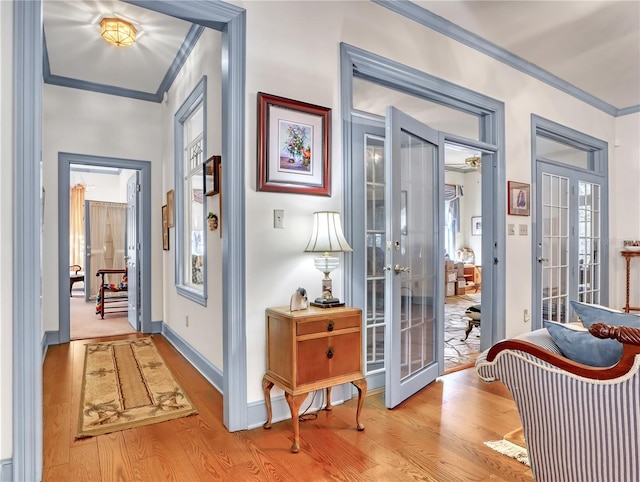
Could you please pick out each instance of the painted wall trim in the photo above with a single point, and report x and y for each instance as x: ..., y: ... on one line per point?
x: 181, y: 56
x: 27, y: 240
x: 628, y: 110
x: 231, y: 21
x: 196, y: 99
x: 212, y: 373
x: 50, y: 338
x: 6, y: 470
x: 455, y: 32
x: 65, y: 159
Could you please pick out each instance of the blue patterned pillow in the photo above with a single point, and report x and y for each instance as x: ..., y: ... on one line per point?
x: 576, y: 343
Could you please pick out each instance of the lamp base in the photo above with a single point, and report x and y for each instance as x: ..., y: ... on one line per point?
x: 326, y: 303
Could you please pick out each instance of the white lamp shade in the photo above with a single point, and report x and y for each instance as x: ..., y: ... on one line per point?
x: 327, y: 234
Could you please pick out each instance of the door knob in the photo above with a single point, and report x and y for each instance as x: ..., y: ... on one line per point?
x: 401, y: 269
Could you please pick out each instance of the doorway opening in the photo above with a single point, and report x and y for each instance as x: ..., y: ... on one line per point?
x: 98, y: 234
x: 463, y: 255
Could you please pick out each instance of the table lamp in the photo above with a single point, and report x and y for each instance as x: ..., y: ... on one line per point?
x: 326, y: 238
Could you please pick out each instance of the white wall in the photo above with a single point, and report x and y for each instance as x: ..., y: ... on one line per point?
x: 204, y: 332
x: 308, y: 70
x: 99, y: 125
x: 624, y: 219
x: 103, y: 187
x: 6, y: 220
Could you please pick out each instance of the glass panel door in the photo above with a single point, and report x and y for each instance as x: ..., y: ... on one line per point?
x: 414, y: 270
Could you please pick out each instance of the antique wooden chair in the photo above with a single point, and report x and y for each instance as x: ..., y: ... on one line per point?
x: 75, y: 274
x: 112, y: 304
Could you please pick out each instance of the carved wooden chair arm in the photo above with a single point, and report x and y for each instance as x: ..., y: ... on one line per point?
x: 75, y: 267
x: 629, y: 337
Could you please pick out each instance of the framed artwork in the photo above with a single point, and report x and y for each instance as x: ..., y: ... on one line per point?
x: 519, y: 198
x: 293, y: 146
x: 212, y: 175
x: 476, y: 226
x: 165, y: 228
x: 170, y: 207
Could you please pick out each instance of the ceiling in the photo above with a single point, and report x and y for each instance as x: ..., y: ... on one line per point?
x: 592, y: 45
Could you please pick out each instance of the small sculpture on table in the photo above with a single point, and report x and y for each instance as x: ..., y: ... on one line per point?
x: 299, y: 300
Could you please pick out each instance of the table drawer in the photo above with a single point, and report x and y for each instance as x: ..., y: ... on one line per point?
x: 331, y: 356
x: 328, y: 325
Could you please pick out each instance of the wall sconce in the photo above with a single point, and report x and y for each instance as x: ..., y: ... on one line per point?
x: 326, y: 238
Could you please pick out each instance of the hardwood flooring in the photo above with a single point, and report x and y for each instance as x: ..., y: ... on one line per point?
x: 436, y: 435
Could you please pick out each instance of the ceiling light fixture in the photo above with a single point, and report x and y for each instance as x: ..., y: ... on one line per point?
x: 473, y: 161
x: 117, y: 32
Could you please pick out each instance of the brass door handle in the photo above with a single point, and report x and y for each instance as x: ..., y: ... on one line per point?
x: 401, y: 269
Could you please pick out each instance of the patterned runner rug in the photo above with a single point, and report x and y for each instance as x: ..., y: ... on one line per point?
x: 127, y: 384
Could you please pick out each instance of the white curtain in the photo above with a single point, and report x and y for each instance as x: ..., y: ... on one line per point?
x: 76, y: 225
x: 106, y: 230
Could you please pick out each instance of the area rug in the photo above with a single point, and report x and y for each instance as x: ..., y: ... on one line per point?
x: 127, y: 384
x: 512, y: 445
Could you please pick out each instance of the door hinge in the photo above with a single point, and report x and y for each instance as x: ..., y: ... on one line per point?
x: 138, y: 188
x: 138, y: 246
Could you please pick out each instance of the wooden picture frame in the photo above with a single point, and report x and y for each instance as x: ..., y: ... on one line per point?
x: 293, y: 146
x: 476, y: 225
x: 519, y: 198
x: 212, y: 175
x: 170, y: 208
x: 165, y: 228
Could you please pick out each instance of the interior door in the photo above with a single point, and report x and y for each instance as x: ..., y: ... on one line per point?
x: 87, y: 252
x: 415, y: 257
x: 132, y: 251
x: 568, y: 240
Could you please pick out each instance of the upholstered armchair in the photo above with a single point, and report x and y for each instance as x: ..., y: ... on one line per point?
x: 580, y: 423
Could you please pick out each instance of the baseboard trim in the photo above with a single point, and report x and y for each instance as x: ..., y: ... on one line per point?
x: 6, y: 470
x: 204, y: 366
x: 49, y: 338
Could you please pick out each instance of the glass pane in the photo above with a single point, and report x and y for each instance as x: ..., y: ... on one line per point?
x: 417, y: 253
x: 194, y: 235
x: 564, y: 153
x: 373, y: 98
x: 555, y: 247
x: 375, y: 237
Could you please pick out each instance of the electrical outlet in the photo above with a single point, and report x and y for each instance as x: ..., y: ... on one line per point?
x: 524, y: 231
x: 511, y: 229
x: 186, y: 320
x: 278, y: 218
x: 526, y: 317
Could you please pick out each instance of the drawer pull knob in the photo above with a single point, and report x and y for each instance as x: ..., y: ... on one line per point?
x: 330, y: 352
x: 330, y: 326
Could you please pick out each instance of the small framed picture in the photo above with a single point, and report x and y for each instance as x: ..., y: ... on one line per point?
x: 170, y: 207
x: 212, y: 174
x: 165, y: 228
x: 476, y: 225
x: 293, y: 146
x: 519, y: 198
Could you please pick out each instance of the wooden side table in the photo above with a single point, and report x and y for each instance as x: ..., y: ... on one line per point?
x: 627, y: 257
x: 310, y: 350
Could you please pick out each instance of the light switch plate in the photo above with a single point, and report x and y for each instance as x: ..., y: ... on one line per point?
x: 511, y: 229
x: 524, y: 229
x: 278, y: 218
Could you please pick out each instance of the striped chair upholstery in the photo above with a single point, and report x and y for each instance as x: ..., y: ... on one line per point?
x: 581, y: 424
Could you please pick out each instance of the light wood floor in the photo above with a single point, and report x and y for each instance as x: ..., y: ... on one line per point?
x: 436, y: 435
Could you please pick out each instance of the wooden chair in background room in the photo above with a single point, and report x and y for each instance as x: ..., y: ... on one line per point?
x: 75, y: 274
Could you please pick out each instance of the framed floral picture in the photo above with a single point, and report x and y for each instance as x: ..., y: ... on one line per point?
x: 519, y: 198
x: 293, y: 146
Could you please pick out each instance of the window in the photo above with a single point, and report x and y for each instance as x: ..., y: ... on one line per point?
x: 190, y: 148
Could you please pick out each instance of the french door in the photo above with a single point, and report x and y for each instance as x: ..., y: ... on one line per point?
x: 569, y: 240
x: 413, y: 271
x: 132, y: 251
